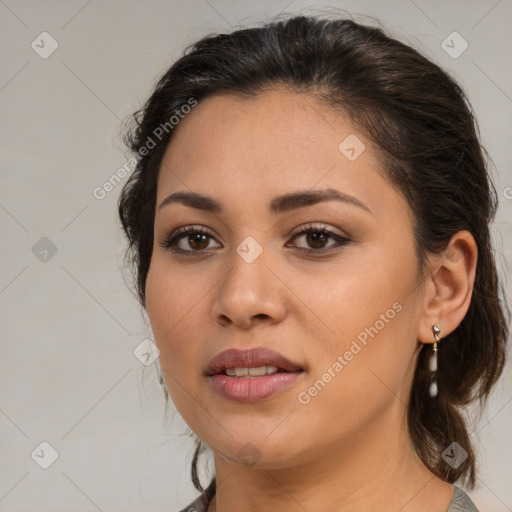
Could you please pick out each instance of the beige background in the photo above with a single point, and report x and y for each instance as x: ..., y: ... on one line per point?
x: 69, y: 325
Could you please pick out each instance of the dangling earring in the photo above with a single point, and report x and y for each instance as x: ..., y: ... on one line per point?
x: 432, y: 390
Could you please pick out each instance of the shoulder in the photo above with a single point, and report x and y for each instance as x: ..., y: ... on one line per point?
x: 200, y: 504
x: 461, y: 502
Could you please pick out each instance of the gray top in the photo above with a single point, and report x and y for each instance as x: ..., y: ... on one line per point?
x: 461, y: 502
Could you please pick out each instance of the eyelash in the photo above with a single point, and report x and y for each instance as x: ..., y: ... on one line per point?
x: 170, y: 242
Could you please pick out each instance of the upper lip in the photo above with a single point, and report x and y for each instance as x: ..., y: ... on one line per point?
x: 234, y: 358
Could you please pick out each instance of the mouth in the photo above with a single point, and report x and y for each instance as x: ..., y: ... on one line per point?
x: 253, y: 372
x: 248, y: 389
x: 248, y: 376
x: 253, y: 363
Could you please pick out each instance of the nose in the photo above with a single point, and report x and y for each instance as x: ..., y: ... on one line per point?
x: 250, y: 293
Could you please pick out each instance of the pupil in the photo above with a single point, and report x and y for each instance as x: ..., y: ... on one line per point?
x: 197, y: 237
x: 317, y: 237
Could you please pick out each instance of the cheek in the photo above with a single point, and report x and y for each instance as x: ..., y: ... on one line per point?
x: 358, y: 298
x: 371, y: 313
x: 170, y: 303
x: 362, y: 373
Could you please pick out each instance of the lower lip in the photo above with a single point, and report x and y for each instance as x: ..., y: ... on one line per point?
x: 247, y: 389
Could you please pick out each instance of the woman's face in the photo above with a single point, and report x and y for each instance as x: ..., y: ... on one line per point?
x: 345, y: 312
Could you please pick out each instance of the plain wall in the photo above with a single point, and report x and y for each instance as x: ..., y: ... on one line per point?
x: 69, y: 324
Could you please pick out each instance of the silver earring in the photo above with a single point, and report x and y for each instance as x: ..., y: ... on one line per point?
x: 432, y: 390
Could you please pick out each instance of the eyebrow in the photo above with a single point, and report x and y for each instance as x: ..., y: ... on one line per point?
x: 280, y: 204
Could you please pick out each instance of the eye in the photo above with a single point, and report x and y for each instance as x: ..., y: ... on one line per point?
x: 195, y: 237
x: 317, y: 237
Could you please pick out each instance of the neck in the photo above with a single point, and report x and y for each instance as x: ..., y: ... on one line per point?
x: 376, y: 469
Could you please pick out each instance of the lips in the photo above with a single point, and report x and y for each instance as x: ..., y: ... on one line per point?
x: 234, y: 358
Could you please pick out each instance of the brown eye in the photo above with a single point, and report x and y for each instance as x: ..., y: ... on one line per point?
x: 317, y: 237
x: 197, y: 241
x: 193, y: 240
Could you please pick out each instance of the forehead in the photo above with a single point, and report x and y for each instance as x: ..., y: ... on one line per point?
x: 268, y: 145
x: 271, y: 129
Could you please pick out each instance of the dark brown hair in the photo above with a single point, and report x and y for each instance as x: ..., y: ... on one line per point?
x: 423, y: 126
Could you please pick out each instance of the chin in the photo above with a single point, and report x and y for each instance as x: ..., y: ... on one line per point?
x: 258, y: 452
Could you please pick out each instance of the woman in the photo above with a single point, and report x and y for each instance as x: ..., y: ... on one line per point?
x: 309, y: 224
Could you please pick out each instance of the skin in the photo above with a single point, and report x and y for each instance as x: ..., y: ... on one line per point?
x: 348, y: 448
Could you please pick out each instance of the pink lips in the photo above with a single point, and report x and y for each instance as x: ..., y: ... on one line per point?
x: 251, y: 389
x: 234, y: 358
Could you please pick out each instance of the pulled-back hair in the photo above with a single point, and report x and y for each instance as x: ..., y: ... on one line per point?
x: 427, y: 137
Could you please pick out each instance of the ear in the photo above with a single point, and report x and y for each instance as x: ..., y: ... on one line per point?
x: 448, y: 287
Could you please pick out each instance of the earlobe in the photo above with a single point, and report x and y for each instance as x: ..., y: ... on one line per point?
x: 449, y: 287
